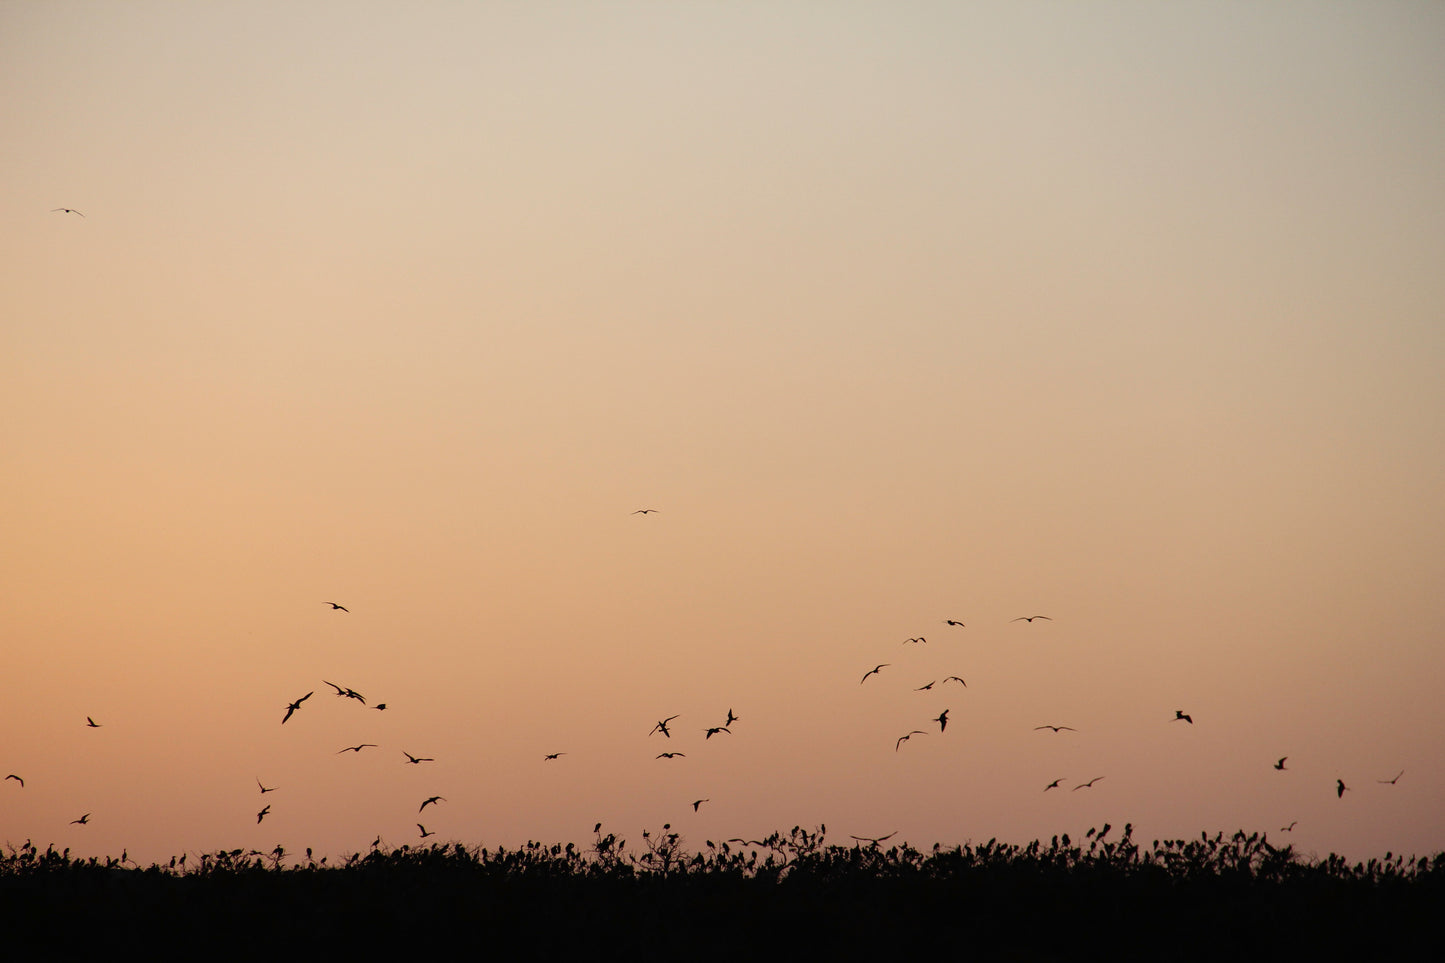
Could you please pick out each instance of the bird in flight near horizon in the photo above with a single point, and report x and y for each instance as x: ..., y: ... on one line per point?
x: 953, y: 622
x: 1056, y: 728
x: 645, y: 511
x: 296, y: 705
x: 873, y: 671
x: 1280, y: 765
x: 65, y: 210
x: 1340, y: 788
x: 92, y: 723
x: 903, y: 739
x: 262, y: 815
x: 335, y: 606
x: 941, y: 719
x: 1289, y: 828
x: 698, y: 802
x: 1054, y: 784
x: 873, y: 840
x: 671, y: 755
x: 364, y: 745
x: 919, y: 639
x: 431, y: 801
x: 1087, y: 785
x: 552, y: 755
x: 264, y: 790
x: 414, y: 760
x: 1391, y: 782
x: 17, y: 779
x: 1179, y: 714
x: 424, y: 833
x: 83, y: 820
x: 1030, y: 618
x: 662, y: 726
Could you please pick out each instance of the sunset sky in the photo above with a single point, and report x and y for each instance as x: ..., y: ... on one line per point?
x: 1126, y: 314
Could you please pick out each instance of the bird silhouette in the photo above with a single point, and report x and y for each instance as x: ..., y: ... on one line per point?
x: 364, y: 745
x: 954, y: 678
x: 17, y: 779
x: 873, y: 671
x: 903, y: 739
x: 1054, y: 784
x: 424, y: 833
x: 1087, y: 785
x: 671, y: 755
x: 91, y: 723
x: 262, y: 815
x: 645, y: 511
x: 942, y: 720
x: 347, y: 692
x: 334, y: 606
x: 415, y: 760
x: 953, y: 622
x: 1340, y: 788
x: 1056, y: 728
x: 1030, y: 618
x: 1391, y: 782
x: 552, y: 755
x: 1280, y: 765
x: 698, y: 802
x: 1179, y: 714
x: 66, y: 210
x: 872, y: 839
x: 915, y: 641
x: 81, y: 821
x: 925, y: 688
x: 1289, y: 828
x: 380, y: 705
x: 264, y: 789
x: 731, y: 718
x: 431, y: 801
x: 292, y: 707
x: 662, y: 726
x: 714, y: 730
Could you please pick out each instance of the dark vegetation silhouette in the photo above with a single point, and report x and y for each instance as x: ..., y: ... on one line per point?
x: 1234, y: 897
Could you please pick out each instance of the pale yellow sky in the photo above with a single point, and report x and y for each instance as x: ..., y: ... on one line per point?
x: 1125, y: 314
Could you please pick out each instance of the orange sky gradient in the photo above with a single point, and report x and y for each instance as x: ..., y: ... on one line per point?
x: 1125, y: 314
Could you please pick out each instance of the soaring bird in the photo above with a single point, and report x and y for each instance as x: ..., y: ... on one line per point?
x: 919, y: 639
x: 646, y: 511
x: 334, y: 606
x: 91, y: 723
x: 424, y: 833
x: 292, y: 707
x: 347, y: 692
x: 81, y: 821
x: 903, y: 739
x: 1088, y: 784
x: 1030, y: 618
x: 1280, y: 765
x: 873, y: 671
x: 264, y: 788
x: 941, y: 719
x: 1056, y: 728
x: 662, y: 726
x: 1391, y: 782
x: 364, y: 745
x: 414, y: 760
x: 552, y: 755
x: 262, y: 814
x: 17, y: 779
x: 714, y: 730
x: 1340, y: 788
x: 731, y: 718
x: 954, y: 678
x: 873, y: 840
x: 1179, y: 714
x: 65, y: 210
x: 953, y: 622
x: 1054, y: 784
x: 671, y: 755
x: 1289, y: 828
x: 698, y: 802
x: 925, y: 688
x: 431, y: 801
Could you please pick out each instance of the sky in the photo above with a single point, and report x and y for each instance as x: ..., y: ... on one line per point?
x: 1124, y: 314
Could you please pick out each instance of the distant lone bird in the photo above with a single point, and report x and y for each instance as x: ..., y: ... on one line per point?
x: 1391, y: 782
x: 671, y: 755
x: 919, y: 639
x: 364, y: 745
x: 17, y: 779
x: 952, y: 622
x: 552, y: 755
x: 1054, y: 784
x: 414, y: 760
x: 714, y: 730
x: 1056, y: 728
x: 954, y: 678
x: 873, y: 840
x: 264, y: 789
x: 424, y: 833
x: 1088, y: 784
x: 81, y: 821
x: 262, y: 814
x: 1340, y: 788
x: 1280, y: 765
x: 334, y: 606
x: 65, y: 210
x: 296, y: 705
x: 91, y: 723
x: 432, y: 801
x: 1030, y: 618
x: 662, y: 726
x: 873, y: 671
x: 698, y: 802
x: 645, y: 511
x: 1179, y: 714
x: 903, y: 739
x: 1289, y: 828
x: 942, y: 720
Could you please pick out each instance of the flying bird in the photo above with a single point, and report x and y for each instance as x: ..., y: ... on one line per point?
x: 1054, y: 784
x: 873, y: 671
x: 414, y: 760
x: 662, y: 726
x: 380, y: 705
x: 552, y: 755
x: 714, y: 730
x: 424, y: 833
x: 1087, y: 785
x: 17, y: 779
x: 671, y: 755
x: 1340, y: 788
x: 348, y: 693
x: 731, y: 718
x: 292, y: 707
x: 1179, y: 714
x: 941, y: 719
x: 925, y: 688
x: 1289, y: 828
x: 903, y: 739
x: 1030, y: 618
x: 874, y: 841
x: 91, y: 723
x: 264, y: 789
x: 954, y: 678
x: 262, y: 815
x: 334, y: 606
x: 364, y: 745
x: 645, y: 511
x: 698, y: 802
x: 431, y: 801
x: 65, y: 210
x: 81, y: 821
x: 953, y: 622
x: 1280, y: 765
x: 919, y: 639
x: 1391, y: 782
x: 1056, y: 728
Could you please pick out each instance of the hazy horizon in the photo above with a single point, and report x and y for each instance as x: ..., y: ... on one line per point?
x: 1128, y: 315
